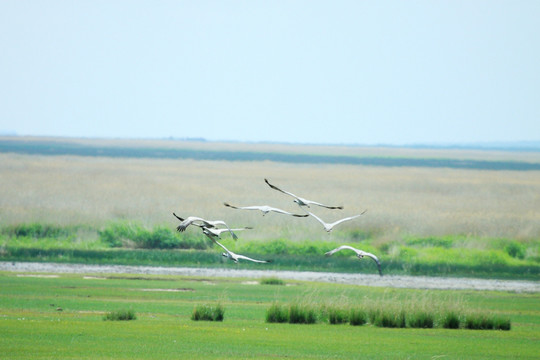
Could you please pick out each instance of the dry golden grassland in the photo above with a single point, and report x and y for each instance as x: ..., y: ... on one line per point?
x: 400, y: 200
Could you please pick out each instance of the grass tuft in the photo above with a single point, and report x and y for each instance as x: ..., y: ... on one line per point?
x: 358, y: 317
x: 501, y: 323
x: 120, y: 315
x: 483, y: 321
x: 337, y: 315
x: 390, y: 318
x: 208, y: 313
x: 420, y: 319
x: 478, y: 321
x: 277, y: 314
x: 302, y: 314
x: 450, y: 320
x: 272, y: 281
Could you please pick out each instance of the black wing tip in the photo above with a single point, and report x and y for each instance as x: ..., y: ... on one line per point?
x: 299, y: 215
x: 178, y: 217
x: 272, y: 186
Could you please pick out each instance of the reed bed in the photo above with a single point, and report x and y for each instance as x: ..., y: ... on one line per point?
x: 401, y: 201
x: 391, y: 312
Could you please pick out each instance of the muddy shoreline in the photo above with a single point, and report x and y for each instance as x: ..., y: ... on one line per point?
x: 396, y: 281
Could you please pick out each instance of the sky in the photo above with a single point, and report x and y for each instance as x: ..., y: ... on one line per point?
x: 317, y: 72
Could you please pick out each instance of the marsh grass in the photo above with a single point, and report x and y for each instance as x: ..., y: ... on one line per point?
x: 464, y: 223
x: 51, y: 189
x: 358, y: 316
x: 420, y: 319
x: 338, y: 315
x: 207, y: 312
x: 419, y: 310
x: 450, y: 320
x: 485, y: 321
x: 132, y: 235
x: 272, y: 281
x: 302, y: 314
x: 121, y: 315
x: 136, y: 244
x: 38, y: 230
x: 277, y: 313
x: 502, y: 323
x: 388, y: 317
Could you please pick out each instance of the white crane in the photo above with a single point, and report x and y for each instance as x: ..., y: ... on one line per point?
x: 330, y: 226
x: 301, y: 201
x: 265, y: 209
x: 359, y: 253
x: 235, y: 257
x: 206, y: 223
x: 214, y: 233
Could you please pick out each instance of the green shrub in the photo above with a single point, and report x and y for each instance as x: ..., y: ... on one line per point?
x: 357, y: 317
x: 420, y: 319
x: 158, y: 238
x: 302, y: 314
x: 116, y: 234
x: 120, y: 315
x: 450, y: 320
x: 444, y: 242
x: 515, y: 250
x: 337, y: 315
x: 208, y: 313
x: 277, y: 314
x: 136, y: 236
x: 272, y: 281
x: 36, y: 230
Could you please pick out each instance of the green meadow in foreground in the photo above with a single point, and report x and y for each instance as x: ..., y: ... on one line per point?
x: 46, y: 316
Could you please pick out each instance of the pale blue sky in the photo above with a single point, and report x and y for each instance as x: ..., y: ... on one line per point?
x: 355, y: 72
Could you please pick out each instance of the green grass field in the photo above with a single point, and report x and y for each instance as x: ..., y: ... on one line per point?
x: 61, y: 316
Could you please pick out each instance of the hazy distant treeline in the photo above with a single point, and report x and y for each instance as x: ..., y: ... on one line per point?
x: 69, y: 148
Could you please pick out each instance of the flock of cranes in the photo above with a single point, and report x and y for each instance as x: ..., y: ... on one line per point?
x: 211, y: 229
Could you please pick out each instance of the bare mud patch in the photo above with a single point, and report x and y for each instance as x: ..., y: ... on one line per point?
x: 396, y: 281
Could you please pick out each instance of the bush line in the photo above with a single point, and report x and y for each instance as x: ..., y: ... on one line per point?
x: 436, y: 256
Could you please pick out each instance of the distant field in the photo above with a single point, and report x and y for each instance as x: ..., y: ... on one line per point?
x: 349, y: 155
x: 401, y: 200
